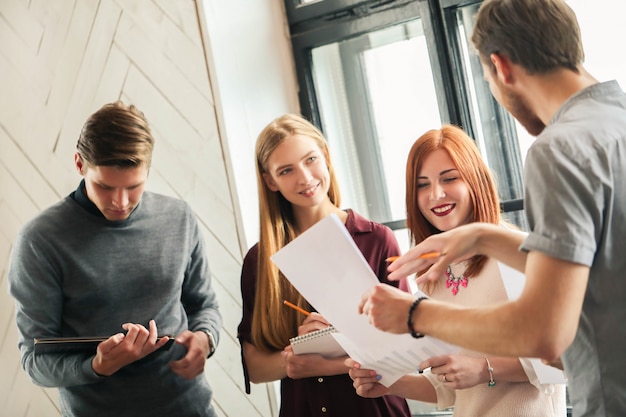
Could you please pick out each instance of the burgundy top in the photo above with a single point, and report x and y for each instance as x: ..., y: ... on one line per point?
x: 329, y: 395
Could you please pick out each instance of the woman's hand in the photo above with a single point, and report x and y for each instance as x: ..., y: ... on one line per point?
x: 365, y: 381
x: 312, y: 323
x: 309, y: 365
x: 457, y: 371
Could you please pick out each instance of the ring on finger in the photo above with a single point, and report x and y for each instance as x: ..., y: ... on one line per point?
x: 444, y: 378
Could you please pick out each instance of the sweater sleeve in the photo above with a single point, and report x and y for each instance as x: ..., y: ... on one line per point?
x: 35, y: 284
x: 198, y: 296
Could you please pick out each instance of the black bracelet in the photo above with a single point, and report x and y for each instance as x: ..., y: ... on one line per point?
x: 409, y: 322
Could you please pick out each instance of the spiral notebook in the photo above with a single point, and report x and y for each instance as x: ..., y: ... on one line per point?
x: 320, y: 341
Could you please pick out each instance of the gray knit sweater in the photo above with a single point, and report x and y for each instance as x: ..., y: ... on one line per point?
x: 76, y: 274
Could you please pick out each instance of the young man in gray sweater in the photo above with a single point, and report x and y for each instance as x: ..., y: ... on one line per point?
x: 114, y: 260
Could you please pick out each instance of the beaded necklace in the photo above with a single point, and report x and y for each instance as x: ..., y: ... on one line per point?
x: 453, y: 282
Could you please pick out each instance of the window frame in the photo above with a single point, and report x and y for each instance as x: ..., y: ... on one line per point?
x: 297, y: 12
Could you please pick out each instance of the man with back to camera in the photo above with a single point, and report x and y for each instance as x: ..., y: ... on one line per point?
x: 113, y: 259
x: 572, y: 305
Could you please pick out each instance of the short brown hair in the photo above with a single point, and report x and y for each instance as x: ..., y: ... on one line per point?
x: 116, y: 135
x: 539, y: 35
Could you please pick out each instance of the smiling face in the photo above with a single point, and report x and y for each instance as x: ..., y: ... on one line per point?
x: 297, y: 169
x: 443, y: 196
x: 115, y: 191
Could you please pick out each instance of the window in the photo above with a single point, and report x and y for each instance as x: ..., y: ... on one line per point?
x: 502, y: 141
x: 375, y: 75
x: 374, y: 91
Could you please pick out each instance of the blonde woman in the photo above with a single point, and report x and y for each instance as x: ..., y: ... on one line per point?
x: 297, y: 188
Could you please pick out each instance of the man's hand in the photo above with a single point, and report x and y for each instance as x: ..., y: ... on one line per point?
x: 197, y: 345
x: 120, y: 350
x: 387, y: 308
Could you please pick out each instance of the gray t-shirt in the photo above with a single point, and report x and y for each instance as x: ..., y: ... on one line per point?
x: 575, y: 176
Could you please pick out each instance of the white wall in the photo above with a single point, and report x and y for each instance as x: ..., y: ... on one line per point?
x: 254, y: 82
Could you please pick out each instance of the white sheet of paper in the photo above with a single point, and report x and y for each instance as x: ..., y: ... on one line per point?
x: 329, y: 270
x: 514, y: 285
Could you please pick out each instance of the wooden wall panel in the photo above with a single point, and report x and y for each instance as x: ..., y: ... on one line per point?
x: 60, y: 61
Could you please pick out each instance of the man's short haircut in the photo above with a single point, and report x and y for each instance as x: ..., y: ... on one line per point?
x: 539, y: 35
x: 116, y: 135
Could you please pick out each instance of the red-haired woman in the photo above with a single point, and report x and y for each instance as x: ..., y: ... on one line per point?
x: 448, y: 185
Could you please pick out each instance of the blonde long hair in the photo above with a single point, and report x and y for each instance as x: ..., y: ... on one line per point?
x: 272, y: 323
x: 472, y: 169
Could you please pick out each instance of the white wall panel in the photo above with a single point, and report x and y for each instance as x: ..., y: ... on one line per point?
x: 60, y: 61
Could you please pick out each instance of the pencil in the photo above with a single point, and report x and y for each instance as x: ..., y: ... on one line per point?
x: 422, y: 256
x: 295, y: 307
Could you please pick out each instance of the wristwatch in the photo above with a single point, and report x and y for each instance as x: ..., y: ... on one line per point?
x: 211, y: 342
